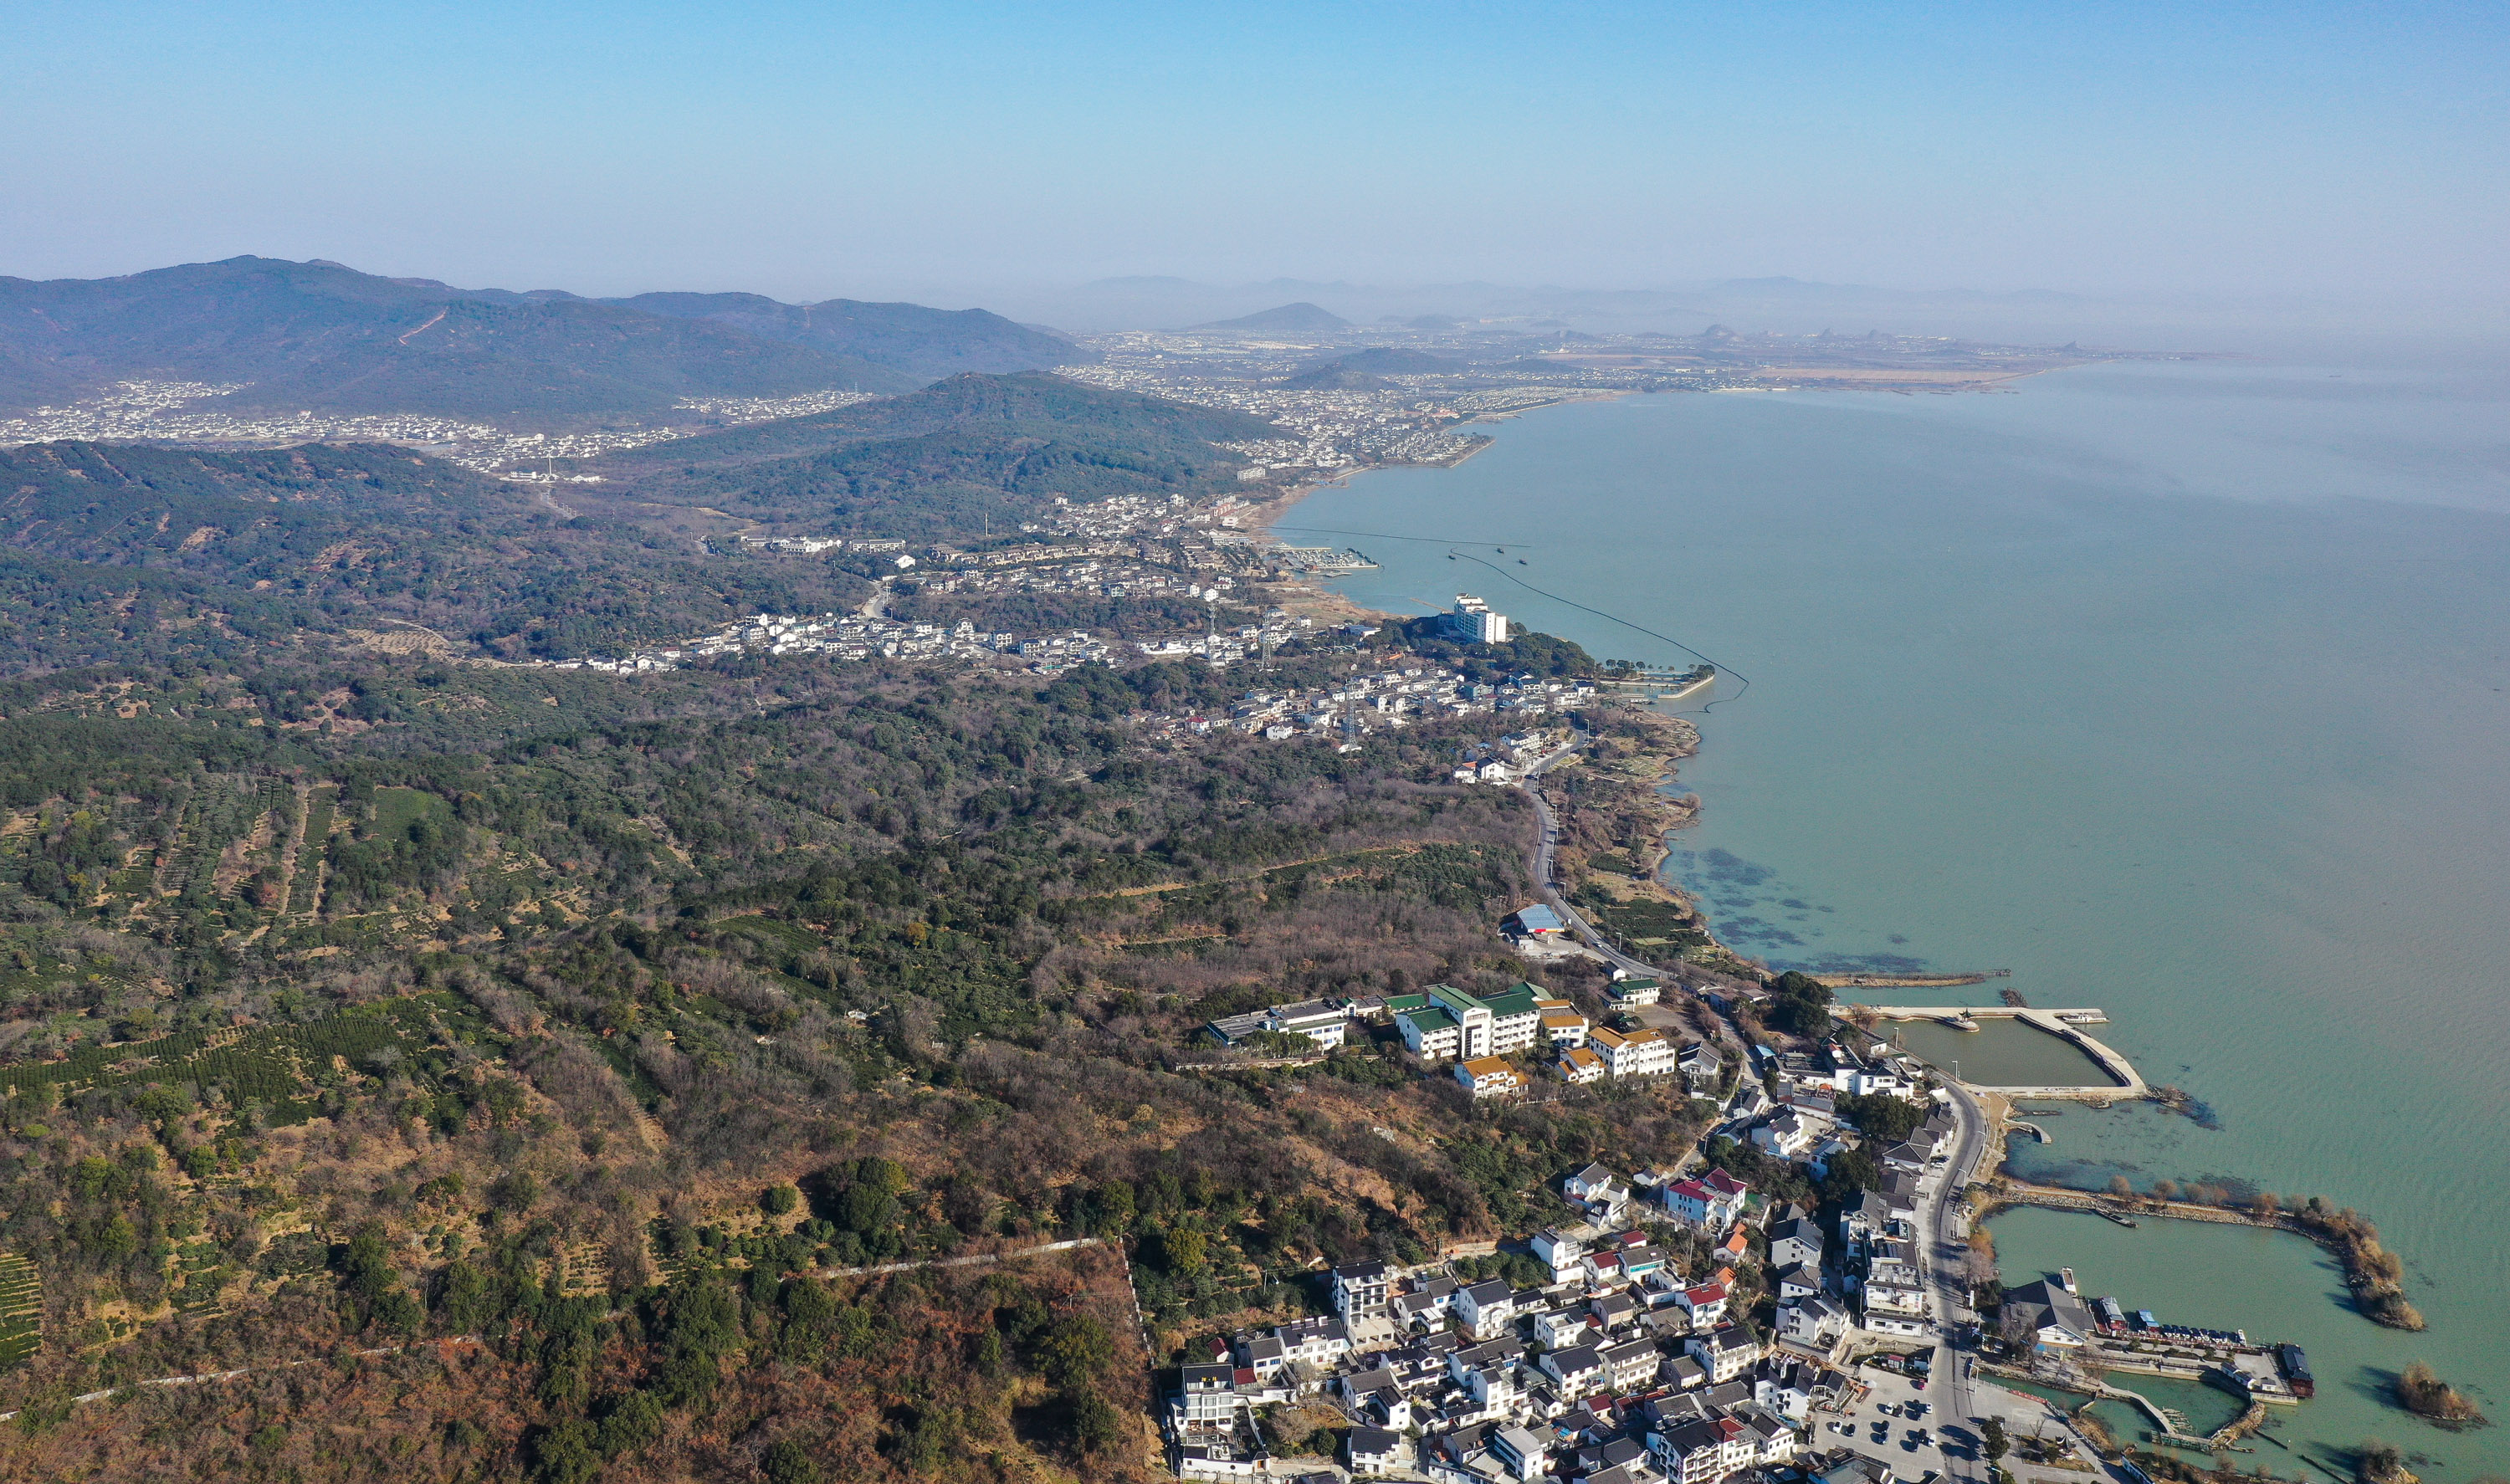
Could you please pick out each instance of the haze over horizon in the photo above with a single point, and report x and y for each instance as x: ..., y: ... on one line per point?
x: 983, y: 155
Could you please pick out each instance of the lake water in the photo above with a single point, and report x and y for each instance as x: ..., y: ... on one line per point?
x: 2003, y: 1052
x: 2176, y: 689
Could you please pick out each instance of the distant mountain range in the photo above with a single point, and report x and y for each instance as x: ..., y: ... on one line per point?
x: 1784, y: 304
x: 1286, y: 318
x: 322, y: 336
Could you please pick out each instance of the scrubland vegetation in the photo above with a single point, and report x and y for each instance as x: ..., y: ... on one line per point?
x: 531, y: 1054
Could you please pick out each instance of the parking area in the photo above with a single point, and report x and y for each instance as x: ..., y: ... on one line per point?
x: 1901, y: 1421
x: 1896, y: 1425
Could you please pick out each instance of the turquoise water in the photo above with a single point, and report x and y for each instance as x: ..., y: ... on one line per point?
x: 2003, y: 1052
x: 2176, y: 688
x: 2273, y: 1284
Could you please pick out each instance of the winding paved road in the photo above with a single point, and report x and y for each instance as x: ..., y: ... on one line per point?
x: 1550, y: 836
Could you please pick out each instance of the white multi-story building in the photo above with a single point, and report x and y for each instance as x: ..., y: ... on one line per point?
x: 1449, y: 1024
x: 1701, y: 1450
x: 1633, y: 1053
x: 1472, y: 622
x: 1209, y: 1395
x: 1893, y: 1298
x: 1813, y: 1321
x: 1723, y: 1354
x: 1487, y: 1308
x: 1709, y: 1202
x: 1430, y: 1032
x: 1360, y: 1289
x: 1559, y: 1252
x: 1318, y: 1341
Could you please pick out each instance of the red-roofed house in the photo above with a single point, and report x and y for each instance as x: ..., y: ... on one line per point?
x: 1705, y: 1304
x: 1709, y: 1202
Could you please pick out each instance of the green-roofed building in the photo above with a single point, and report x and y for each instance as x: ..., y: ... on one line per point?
x: 1517, y: 1000
x: 1431, y: 1031
x: 1496, y: 1025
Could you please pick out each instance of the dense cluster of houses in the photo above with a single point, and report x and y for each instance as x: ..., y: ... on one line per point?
x: 1619, y: 1370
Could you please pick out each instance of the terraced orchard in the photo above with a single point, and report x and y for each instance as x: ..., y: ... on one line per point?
x: 21, y: 1310
x: 279, y: 1066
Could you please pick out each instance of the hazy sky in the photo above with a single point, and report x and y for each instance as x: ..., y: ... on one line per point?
x: 812, y: 150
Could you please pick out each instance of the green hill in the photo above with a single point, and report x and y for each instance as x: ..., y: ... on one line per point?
x: 1386, y: 361
x: 1287, y: 319
x: 318, y: 335
x: 957, y: 456
x: 121, y: 553
x: 924, y: 343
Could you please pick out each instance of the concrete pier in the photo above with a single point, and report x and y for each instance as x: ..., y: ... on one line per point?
x: 2065, y: 1024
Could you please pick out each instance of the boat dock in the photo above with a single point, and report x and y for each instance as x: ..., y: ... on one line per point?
x: 1662, y: 684
x: 2065, y: 1024
x: 1323, y: 562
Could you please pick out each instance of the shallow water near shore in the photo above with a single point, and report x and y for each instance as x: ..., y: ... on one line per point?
x: 2176, y: 689
x: 2274, y: 1284
x: 2003, y: 1052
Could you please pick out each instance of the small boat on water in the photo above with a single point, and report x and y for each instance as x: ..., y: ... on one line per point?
x: 2066, y: 1276
x: 2121, y: 1217
x: 1960, y: 1022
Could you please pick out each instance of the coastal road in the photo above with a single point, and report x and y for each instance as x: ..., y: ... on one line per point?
x: 1943, y: 1233
x: 1548, y: 837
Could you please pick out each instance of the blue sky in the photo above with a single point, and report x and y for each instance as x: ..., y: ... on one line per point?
x: 813, y: 150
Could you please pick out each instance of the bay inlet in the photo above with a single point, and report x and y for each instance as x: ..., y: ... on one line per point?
x: 2177, y: 689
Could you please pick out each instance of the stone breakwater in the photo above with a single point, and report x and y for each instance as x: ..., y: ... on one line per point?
x: 2375, y: 1275
x: 2067, y: 1025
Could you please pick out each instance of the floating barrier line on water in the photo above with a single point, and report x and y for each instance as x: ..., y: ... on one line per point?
x: 1625, y: 624
x: 1436, y: 541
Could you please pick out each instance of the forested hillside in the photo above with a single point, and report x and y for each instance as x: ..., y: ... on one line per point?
x: 322, y: 336
x: 925, y: 343
x: 571, y: 1033
x: 496, y: 1071
x: 181, y: 558
x: 947, y: 461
